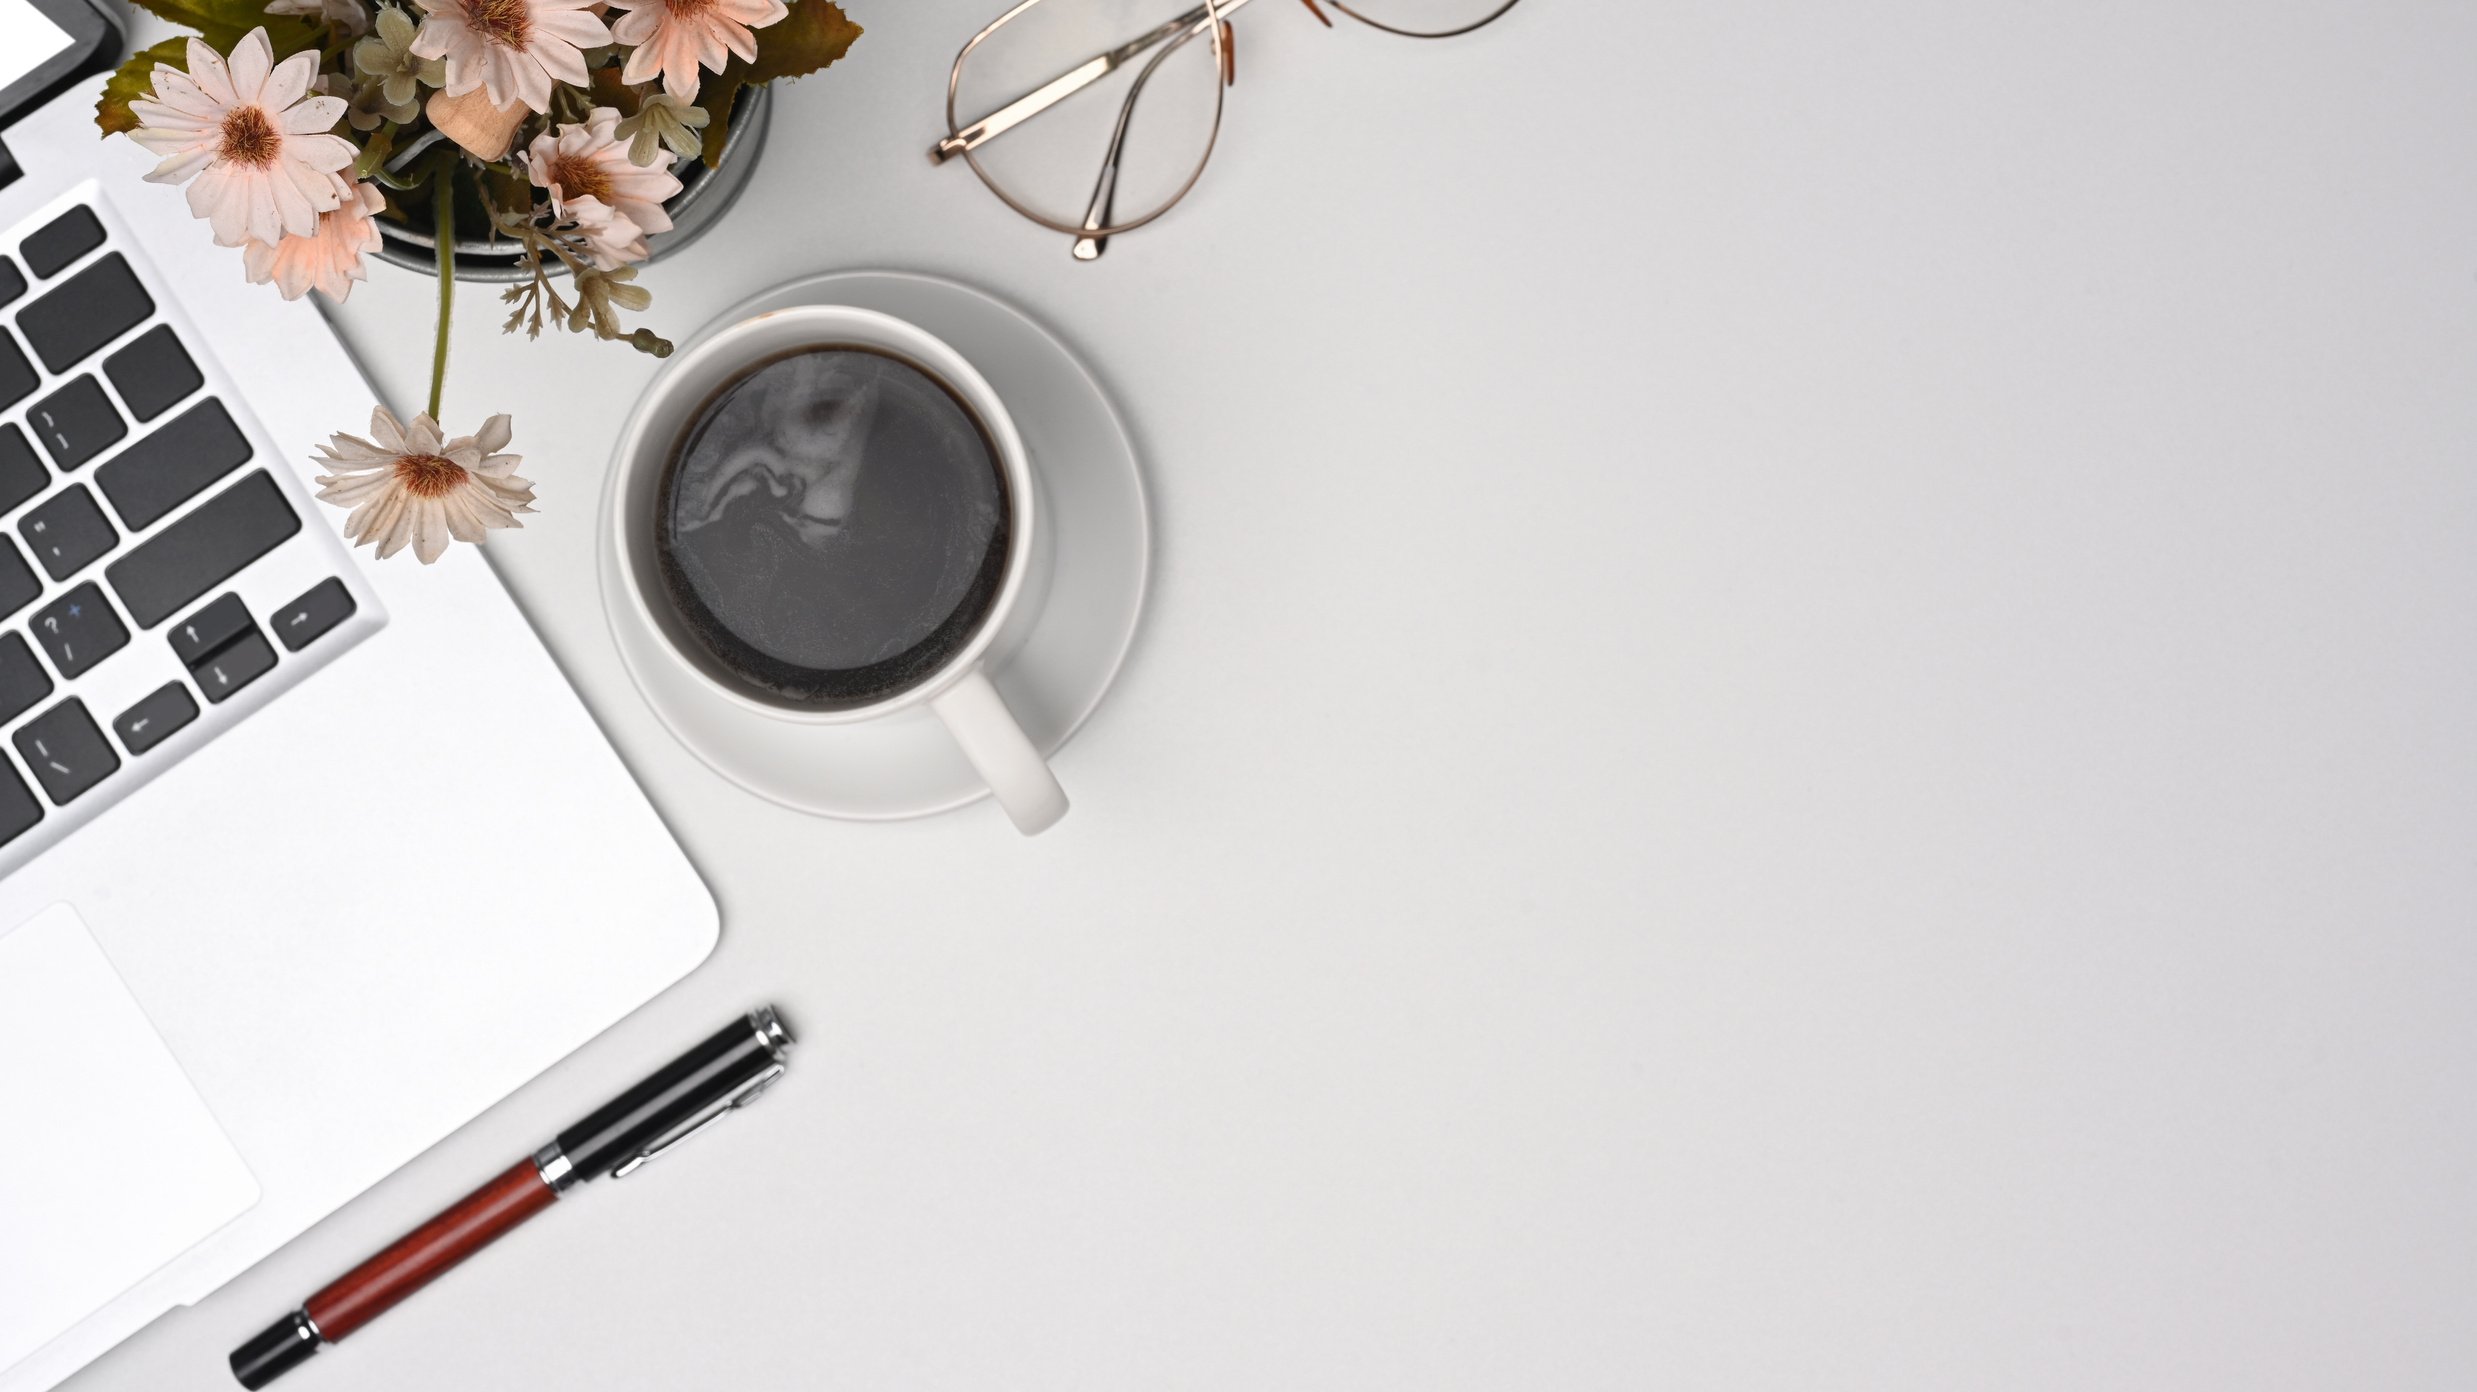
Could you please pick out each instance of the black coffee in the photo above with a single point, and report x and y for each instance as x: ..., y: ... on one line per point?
x: 833, y: 525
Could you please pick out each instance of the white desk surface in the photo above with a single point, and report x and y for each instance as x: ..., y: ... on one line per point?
x: 1806, y: 722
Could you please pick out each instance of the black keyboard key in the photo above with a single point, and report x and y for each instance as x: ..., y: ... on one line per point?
x: 153, y: 372
x: 19, y: 808
x: 208, y: 629
x: 22, y: 679
x: 79, y: 630
x: 18, y: 587
x: 67, y: 530
x: 173, y: 465
x: 50, y: 248
x: 17, y: 376
x: 21, y: 474
x: 238, y: 663
x: 84, y: 312
x: 202, y: 550
x: 308, y: 618
x: 151, y: 721
x: 12, y: 281
x: 66, y: 751
x: 76, y: 423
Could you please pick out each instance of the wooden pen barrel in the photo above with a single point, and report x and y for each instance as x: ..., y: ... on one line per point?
x: 422, y: 1255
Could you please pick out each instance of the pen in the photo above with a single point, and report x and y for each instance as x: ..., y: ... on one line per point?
x: 683, y: 1097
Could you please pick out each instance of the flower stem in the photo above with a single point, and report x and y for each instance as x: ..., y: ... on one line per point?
x: 443, y: 226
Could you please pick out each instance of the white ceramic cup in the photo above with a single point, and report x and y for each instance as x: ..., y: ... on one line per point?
x: 959, y: 691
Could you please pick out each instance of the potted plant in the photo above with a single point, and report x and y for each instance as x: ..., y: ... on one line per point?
x: 543, y: 142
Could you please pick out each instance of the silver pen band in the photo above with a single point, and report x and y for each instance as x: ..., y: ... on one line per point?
x: 556, y: 1169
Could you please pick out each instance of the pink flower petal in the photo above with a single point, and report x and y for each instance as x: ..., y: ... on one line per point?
x: 325, y: 153
x: 176, y: 90
x: 313, y: 116
x: 292, y: 210
x: 178, y: 167
x: 214, y: 195
x: 164, y: 140
x: 644, y: 63
x: 573, y: 26
x: 559, y: 59
x: 252, y: 58
x: 633, y: 27
x: 290, y: 79
x: 206, y: 68
x: 533, y: 84
x: 266, y: 220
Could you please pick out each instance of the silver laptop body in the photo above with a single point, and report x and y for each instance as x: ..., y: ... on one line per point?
x: 311, y: 857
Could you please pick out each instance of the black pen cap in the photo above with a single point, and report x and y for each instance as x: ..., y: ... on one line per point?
x: 285, y: 1345
x: 694, y: 1084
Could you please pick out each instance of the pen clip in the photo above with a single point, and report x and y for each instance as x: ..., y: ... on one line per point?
x: 740, y: 1096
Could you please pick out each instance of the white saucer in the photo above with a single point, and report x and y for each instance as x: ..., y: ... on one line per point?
x: 1056, y: 659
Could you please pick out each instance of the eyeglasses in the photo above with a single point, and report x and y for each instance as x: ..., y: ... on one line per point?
x: 1032, y: 58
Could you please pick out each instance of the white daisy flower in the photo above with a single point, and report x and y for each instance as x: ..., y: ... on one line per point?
x: 249, y: 140
x: 328, y: 260
x: 613, y: 200
x: 408, y: 487
x: 673, y: 37
x: 512, y: 49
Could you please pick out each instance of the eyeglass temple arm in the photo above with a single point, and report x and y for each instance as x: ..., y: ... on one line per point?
x: 1070, y: 82
x: 1097, y: 214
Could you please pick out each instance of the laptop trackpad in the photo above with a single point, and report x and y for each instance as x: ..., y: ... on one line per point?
x: 113, y: 1165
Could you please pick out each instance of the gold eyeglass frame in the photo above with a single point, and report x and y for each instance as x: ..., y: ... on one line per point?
x: 1208, y: 17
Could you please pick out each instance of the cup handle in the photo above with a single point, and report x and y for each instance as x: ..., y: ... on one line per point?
x: 980, y: 722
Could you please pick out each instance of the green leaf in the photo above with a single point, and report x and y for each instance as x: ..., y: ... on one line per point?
x: 808, y: 39
x: 716, y: 96
x: 134, y: 81
x: 374, y: 152
x: 222, y: 23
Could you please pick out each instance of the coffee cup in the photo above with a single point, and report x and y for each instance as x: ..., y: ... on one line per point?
x: 706, y: 525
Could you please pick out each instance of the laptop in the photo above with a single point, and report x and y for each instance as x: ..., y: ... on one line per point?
x: 305, y: 858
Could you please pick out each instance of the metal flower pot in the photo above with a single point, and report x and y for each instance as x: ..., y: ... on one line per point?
x: 705, y: 194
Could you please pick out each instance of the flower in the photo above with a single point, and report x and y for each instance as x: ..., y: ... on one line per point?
x: 249, y: 139
x: 406, y: 486
x: 612, y: 199
x: 328, y: 260
x: 600, y: 295
x: 673, y: 37
x: 610, y: 239
x: 512, y: 49
x: 664, y: 120
x: 344, y: 16
x: 366, y: 107
x: 386, y: 58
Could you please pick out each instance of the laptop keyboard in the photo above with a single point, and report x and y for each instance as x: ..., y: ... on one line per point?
x: 133, y: 499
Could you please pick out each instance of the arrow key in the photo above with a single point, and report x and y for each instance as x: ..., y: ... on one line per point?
x: 151, y: 721
x: 208, y: 629
x: 235, y: 665
x: 304, y: 620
